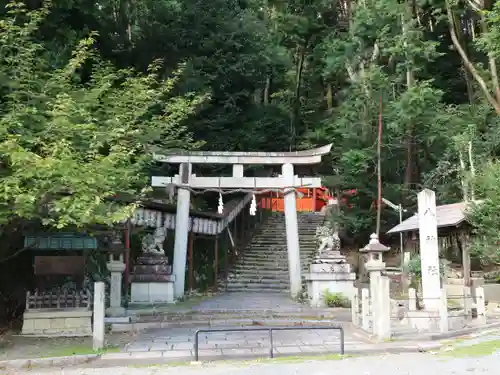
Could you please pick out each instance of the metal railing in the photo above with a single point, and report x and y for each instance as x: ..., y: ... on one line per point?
x: 270, y: 332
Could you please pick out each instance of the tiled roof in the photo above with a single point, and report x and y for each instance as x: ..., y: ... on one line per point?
x: 447, y: 215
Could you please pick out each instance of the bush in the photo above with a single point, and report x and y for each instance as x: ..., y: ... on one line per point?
x: 336, y: 299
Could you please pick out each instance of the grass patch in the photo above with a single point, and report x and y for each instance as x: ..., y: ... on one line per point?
x: 477, y: 350
x: 82, y: 349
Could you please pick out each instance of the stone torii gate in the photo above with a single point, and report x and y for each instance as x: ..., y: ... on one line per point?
x: 287, y: 181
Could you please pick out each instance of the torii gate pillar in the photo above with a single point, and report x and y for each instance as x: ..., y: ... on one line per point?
x: 287, y: 181
x: 181, y: 231
x: 292, y: 232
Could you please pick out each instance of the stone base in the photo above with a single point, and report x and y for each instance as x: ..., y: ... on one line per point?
x: 319, y: 283
x: 328, y: 267
x: 428, y: 321
x: 57, y: 322
x: 115, y: 311
x: 152, y: 292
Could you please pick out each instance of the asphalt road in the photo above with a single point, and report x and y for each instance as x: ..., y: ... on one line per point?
x: 400, y: 364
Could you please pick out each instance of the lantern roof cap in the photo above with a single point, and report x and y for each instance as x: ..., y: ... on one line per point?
x: 374, y: 245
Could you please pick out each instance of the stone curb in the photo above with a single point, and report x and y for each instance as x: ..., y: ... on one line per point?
x: 452, y: 334
x: 73, y: 360
x: 465, y: 331
x: 156, y: 358
x: 140, y: 326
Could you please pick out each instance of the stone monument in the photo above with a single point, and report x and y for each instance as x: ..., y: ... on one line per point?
x: 432, y: 318
x: 152, y: 279
x: 429, y: 250
x: 329, y: 271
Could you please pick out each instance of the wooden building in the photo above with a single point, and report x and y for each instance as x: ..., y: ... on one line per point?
x: 453, y: 231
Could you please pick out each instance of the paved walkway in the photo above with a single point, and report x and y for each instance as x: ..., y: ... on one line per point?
x: 257, y: 302
x: 178, y: 342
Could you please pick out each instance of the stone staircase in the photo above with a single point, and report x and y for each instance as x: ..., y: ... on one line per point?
x: 264, y: 264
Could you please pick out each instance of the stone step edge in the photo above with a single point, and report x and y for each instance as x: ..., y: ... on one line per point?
x: 138, y: 326
x: 187, y: 314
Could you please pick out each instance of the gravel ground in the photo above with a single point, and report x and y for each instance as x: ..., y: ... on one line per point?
x: 402, y: 364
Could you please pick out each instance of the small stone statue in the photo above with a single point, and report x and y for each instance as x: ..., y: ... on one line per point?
x: 153, y: 243
x: 329, y: 246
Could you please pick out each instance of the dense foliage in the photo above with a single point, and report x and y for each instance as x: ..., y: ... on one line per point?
x: 89, y: 87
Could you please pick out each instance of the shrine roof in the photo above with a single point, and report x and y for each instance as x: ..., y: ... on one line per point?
x: 448, y: 215
x: 162, y: 206
x: 311, y: 156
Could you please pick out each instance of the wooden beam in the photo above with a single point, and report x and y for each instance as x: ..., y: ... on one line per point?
x: 314, y: 200
x: 216, y: 262
x: 466, y: 260
x: 226, y: 257
x: 126, y: 276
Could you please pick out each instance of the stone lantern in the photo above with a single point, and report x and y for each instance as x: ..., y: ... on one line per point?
x: 379, y: 288
x: 116, y: 266
x: 375, y: 251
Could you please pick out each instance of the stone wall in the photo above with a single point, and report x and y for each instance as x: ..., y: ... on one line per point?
x: 43, y: 322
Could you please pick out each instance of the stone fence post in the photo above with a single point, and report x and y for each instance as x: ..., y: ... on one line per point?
x: 98, y: 324
x: 467, y: 302
x: 412, y: 299
x: 366, y: 313
x: 480, y: 305
x: 355, y: 307
x: 443, y: 311
x: 382, y: 310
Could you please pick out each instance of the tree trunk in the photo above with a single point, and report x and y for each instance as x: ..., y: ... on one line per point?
x: 296, y: 104
x: 410, y: 130
x: 329, y: 96
x: 467, y: 62
x: 267, y: 90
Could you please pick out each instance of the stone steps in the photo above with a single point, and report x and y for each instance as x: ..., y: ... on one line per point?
x: 263, y: 266
x: 256, y: 262
x: 274, y: 254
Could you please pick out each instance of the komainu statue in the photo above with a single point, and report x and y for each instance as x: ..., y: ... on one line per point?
x: 329, y: 242
x: 153, y: 243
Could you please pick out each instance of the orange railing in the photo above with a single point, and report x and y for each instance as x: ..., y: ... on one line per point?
x: 308, y: 200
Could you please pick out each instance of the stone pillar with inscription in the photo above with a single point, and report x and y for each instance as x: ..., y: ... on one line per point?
x: 329, y: 273
x: 429, y: 250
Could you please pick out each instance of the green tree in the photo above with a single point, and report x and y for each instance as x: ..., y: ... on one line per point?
x: 75, y: 135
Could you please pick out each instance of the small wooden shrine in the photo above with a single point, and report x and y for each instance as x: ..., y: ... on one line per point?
x: 61, y: 302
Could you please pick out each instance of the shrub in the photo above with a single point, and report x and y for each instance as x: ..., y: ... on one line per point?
x: 336, y: 299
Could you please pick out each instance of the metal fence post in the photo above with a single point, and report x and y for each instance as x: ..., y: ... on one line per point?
x: 196, y: 334
x: 271, y: 351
